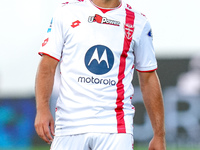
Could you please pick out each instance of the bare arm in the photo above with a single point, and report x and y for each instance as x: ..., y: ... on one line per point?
x: 43, y: 89
x: 152, y: 96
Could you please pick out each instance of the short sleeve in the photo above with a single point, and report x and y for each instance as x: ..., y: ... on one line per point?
x: 145, y: 59
x: 53, y: 43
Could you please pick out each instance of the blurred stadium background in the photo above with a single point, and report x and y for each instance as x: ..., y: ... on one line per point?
x: 176, y: 40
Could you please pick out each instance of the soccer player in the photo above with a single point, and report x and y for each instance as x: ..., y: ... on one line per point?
x: 97, y: 45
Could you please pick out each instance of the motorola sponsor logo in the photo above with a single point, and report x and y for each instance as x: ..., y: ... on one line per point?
x: 96, y: 81
x: 99, y: 60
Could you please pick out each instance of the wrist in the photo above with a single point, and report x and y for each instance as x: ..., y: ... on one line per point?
x: 43, y: 106
x: 159, y: 134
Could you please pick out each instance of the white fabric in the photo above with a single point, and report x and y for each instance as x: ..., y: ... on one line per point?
x: 97, y: 64
x: 93, y: 141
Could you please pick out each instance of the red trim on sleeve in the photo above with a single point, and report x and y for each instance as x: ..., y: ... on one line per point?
x: 42, y: 53
x: 147, y: 70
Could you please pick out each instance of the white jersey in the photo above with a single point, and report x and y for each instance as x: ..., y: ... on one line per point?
x: 98, y: 50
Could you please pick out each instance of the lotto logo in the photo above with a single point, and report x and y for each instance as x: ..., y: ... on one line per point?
x: 65, y: 3
x: 128, y: 6
x: 45, y: 42
x: 75, y: 23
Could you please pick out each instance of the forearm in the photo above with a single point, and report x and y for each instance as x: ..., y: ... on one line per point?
x: 44, y: 123
x: 153, y: 101
x: 44, y: 85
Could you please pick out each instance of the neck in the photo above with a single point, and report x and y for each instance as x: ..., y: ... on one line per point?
x: 107, y: 3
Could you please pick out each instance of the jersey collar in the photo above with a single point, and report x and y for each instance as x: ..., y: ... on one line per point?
x: 104, y: 10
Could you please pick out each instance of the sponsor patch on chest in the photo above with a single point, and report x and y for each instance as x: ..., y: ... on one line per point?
x: 102, y: 20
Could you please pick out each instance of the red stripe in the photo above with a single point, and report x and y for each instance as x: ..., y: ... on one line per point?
x: 147, y: 70
x: 42, y: 53
x: 130, y: 16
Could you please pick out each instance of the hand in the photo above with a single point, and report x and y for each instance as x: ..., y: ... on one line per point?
x: 44, y: 125
x: 157, y: 143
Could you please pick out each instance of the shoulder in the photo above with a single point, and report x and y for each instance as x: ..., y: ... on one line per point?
x: 141, y: 22
x: 69, y: 7
x: 72, y: 3
x: 138, y: 15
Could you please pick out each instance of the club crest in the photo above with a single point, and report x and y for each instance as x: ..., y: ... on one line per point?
x: 129, y: 29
